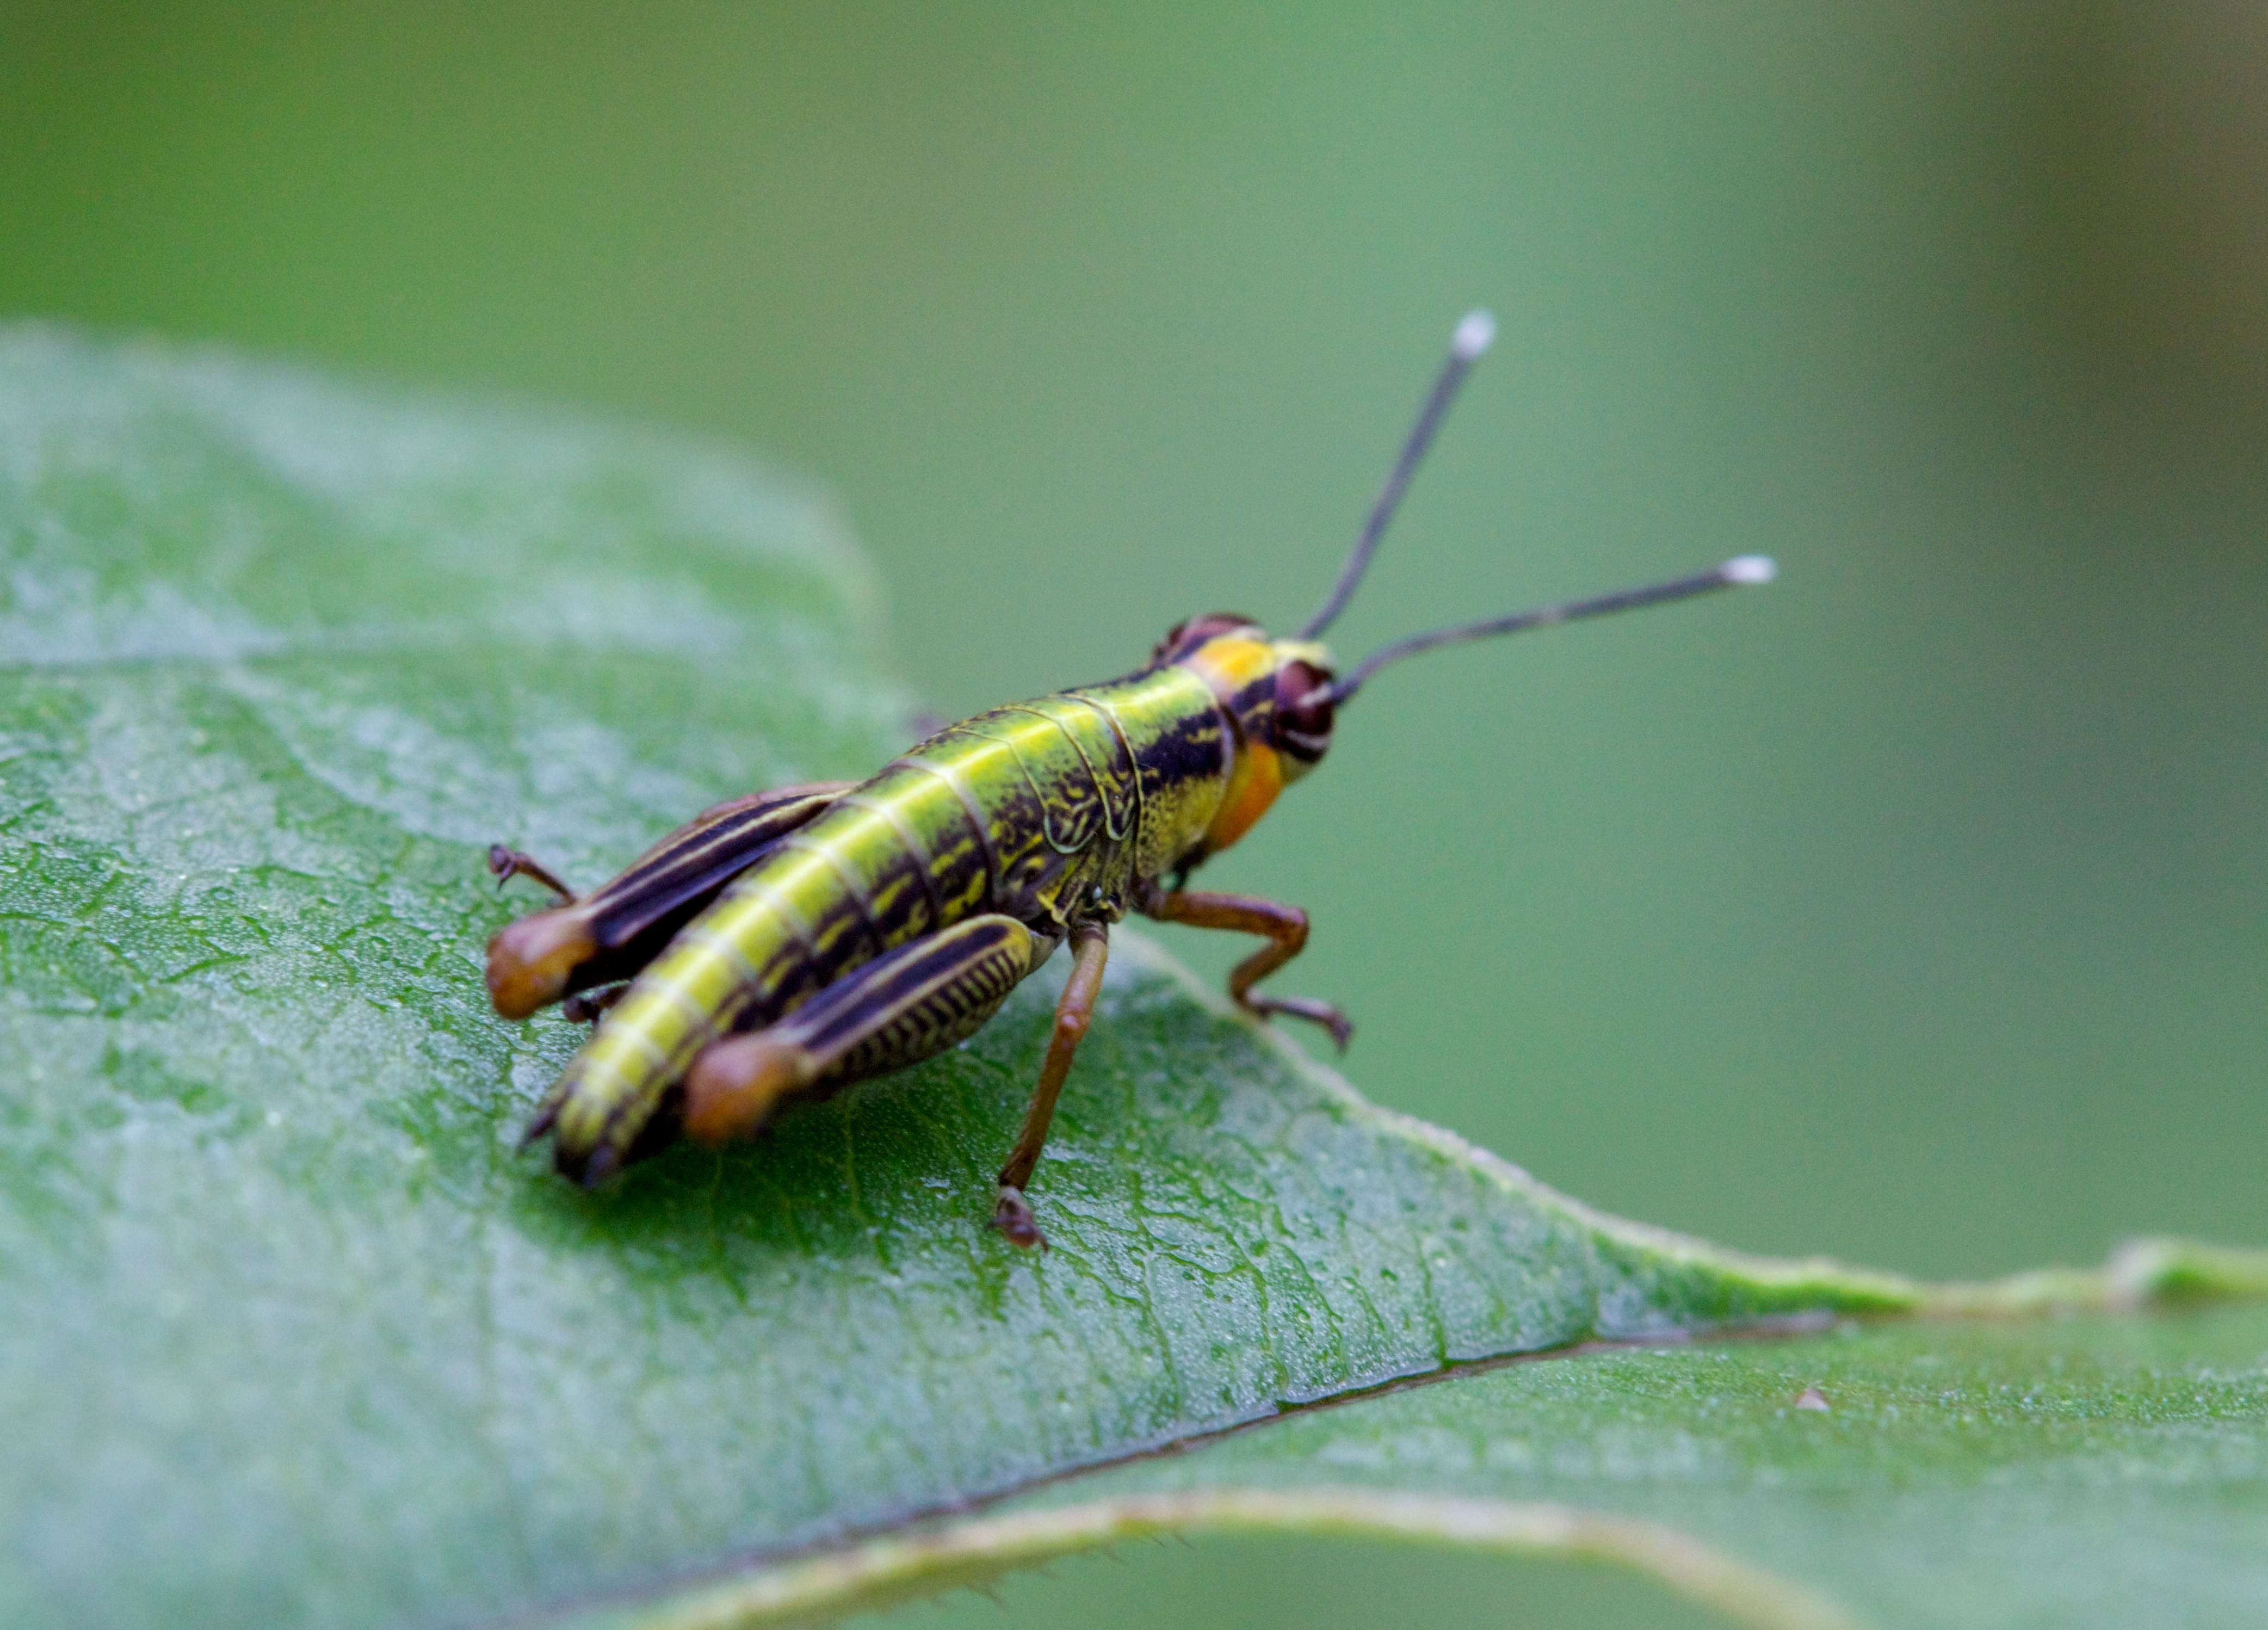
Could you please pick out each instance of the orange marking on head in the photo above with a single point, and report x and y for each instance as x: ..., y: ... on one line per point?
x: 1252, y: 787
x: 1231, y: 666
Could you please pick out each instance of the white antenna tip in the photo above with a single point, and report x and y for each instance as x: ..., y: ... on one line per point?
x: 1473, y: 336
x: 1748, y: 569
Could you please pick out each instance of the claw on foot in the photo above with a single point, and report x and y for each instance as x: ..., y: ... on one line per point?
x: 506, y: 863
x: 1323, y: 1013
x: 1012, y: 1216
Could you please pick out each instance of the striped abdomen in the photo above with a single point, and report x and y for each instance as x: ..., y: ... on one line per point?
x: 1035, y: 811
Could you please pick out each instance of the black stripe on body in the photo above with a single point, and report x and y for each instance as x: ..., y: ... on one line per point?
x: 1080, y: 771
x: 1197, y: 747
x: 790, y: 975
x: 1070, y: 806
x: 632, y: 917
x: 918, y: 859
x: 696, y: 861
x: 854, y: 888
x: 891, y: 863
x: 973, y: 832
x: 1122, y: 774
x: 1060, y: 792
x: 917, y: 1001
x: 1184, y: 746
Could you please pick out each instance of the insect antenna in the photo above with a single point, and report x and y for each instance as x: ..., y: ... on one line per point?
x: 1735, y: 574
x: 1466, y: 345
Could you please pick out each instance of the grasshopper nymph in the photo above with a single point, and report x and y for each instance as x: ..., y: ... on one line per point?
x: 787, y: 944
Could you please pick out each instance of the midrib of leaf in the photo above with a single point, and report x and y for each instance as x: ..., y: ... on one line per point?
x: 917, y: 1553
x: 1195, y: 1487
x: 879, y: 1573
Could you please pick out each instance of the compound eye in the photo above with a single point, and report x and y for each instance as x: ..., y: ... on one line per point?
x: 1188, y: 635
x: 1303, y: 710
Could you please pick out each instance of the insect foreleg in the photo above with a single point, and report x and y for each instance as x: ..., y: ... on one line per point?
x: 896, y: 1010
x: 1090, y: 944
x: 1285, y: 926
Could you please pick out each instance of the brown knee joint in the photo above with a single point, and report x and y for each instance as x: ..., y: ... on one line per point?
x: 735, y: 1085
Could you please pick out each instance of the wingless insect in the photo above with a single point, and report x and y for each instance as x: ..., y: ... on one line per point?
x: 785, y: 945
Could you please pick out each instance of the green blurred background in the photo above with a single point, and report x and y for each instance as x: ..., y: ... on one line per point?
x: 1911, y: 910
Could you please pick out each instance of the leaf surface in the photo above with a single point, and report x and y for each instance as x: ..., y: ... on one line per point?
x: 2076, y: 1471
x: 297, y: 1335
x: 2091, y: 1471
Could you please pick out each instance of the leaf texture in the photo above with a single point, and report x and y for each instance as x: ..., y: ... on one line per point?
x: 297, y: 1335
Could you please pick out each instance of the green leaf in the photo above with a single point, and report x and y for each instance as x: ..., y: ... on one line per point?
x: 295, y: 1332
x: 2069, y: 1473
